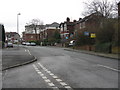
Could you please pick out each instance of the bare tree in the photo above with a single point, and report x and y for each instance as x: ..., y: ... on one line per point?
x: 106, y: 8
x: 37, y: 22
x: 34, y: 23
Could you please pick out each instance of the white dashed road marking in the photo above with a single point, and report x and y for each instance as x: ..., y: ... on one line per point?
x: 47, y: 80
x: 63, y: 84
x: 51, y: 84
x: 44, y: 77
x: 54, y: 77
x: 51, y: 74
x: 59, y: 80
x: 67, y: 87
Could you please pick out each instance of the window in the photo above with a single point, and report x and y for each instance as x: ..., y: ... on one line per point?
x: 31, y: 36
x: 83, y: 24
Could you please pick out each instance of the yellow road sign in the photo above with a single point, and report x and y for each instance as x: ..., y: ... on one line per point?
x: 93, y: 35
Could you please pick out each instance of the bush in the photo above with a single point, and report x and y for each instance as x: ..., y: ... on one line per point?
x: 37, y: 42
x: 103, y: 47
x: 84, y: 40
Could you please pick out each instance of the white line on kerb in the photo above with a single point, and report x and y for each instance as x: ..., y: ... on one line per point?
x: 108, y: 67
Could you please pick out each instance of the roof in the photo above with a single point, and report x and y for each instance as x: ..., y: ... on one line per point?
x: 89, y: 17
x: 54, y: 24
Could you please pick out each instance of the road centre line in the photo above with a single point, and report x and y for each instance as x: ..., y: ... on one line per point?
x: 108, y: 67
x: 29, y: 52
x: 55, y: 77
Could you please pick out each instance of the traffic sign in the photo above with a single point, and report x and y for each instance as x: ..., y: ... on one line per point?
x: 93, y: 35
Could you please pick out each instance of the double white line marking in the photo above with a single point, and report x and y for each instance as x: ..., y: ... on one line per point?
x: 51, y: 84
x: 44, y: 77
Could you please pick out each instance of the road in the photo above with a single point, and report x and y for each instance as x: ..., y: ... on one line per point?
x: 56, y: 68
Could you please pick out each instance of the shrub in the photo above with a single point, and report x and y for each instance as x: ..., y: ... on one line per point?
x: 103, y: 47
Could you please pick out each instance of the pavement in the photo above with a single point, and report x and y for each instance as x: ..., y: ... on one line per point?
x: 107, y: 55
x: 14, y: 57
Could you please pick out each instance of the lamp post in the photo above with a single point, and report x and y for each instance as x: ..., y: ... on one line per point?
x: 18, y: 26
x: 18, y: 22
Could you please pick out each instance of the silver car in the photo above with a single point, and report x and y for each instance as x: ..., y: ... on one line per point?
x: 9, y: 44
x: 27, y: 44
x: 33, y: 44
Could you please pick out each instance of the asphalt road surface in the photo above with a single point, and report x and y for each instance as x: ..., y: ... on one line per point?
x: 57, y: 68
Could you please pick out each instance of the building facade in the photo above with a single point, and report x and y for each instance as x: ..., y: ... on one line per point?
x: 12, y: 37
x: 88, y: 24
x: 67, y: 30
x: 39, y: 32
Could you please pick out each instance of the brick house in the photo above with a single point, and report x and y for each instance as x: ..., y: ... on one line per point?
x: 67, y: 30
x: 88, y: 24
x: 42, y: 32
x: 12, y: 37
x: 31, y: 37
x: 32, y: 32
x: 49, y: 30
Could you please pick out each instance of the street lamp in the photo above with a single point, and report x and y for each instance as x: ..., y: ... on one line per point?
x: 18, y: 26
x: 18, y: 22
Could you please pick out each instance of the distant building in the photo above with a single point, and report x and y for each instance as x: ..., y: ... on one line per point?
x: 34, y: 29
x: 12, y: 37
x: 32, y: 32
x: 54, y: 25
x: 31, y: 37
x: 67, y: 30
x: 50, y: 29
x: 40, y: 33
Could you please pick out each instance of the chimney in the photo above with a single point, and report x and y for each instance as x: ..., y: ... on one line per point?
x: 80, y: 19
x: 68, y: 19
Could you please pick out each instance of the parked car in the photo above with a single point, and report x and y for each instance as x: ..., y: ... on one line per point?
x: 72, y: 42
x: 23, y: 43
x: 33, y: 44
x: 9, y: 44
x: 27, y: 44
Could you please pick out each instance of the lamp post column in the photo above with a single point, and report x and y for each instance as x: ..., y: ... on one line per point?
x: 18, y: 22
x: 18, y: 27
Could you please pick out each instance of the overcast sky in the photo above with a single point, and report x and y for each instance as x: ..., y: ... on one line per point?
x: 48, y: 11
